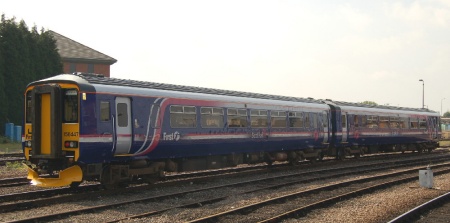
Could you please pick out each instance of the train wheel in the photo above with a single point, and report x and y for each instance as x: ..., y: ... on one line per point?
x: 321, y: 155
x: 106, y: 178
x: 340, y: 154
x: 153, y: 178
x: 75, y: 184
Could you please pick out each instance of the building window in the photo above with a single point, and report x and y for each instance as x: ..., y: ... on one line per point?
x: 73, y: 68
x: 90, y: 68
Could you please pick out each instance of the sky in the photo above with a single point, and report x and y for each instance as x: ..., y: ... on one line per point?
x: 354, y: 51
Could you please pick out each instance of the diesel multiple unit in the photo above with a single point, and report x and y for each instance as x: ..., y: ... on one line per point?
x: 89, y: 127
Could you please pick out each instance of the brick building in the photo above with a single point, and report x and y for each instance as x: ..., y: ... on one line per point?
x: 77, y: 57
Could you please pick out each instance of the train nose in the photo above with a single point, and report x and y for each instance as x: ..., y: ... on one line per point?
x: 65, y: 178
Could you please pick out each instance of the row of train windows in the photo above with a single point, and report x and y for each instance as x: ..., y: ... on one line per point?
x: 213, y: 117
x: 371, y: 121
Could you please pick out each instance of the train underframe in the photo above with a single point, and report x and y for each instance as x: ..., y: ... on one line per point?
x: 146, y: 171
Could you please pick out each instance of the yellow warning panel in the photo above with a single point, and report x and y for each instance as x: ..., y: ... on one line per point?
x: 73, y: 174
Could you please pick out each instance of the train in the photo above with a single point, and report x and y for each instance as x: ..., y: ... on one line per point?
x: 87, y: 127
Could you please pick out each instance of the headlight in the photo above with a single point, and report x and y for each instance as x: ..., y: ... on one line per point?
x: 71, y: 144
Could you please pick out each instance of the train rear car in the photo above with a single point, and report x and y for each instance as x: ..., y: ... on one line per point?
x: 370, y: 129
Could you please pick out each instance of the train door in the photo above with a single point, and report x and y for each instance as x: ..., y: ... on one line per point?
x: 123, y: 125
x: 434, y: 127
x: 46, y: 121
x: 325, y: 126
x: 106, y: 125
x: 344, y: 127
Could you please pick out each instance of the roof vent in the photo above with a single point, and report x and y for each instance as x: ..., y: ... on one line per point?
x: 88, y: 74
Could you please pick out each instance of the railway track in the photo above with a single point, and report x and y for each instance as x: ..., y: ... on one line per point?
x: 265, y: 184
x: 435, y: 210
x: 14, y: 182
x: 10, y: 157
x: 191, y: 176
x: 194, y: 176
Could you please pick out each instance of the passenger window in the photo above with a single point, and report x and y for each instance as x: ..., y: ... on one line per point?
x: 212, y: 117
x: 363, y: 121
x: 314, y: 120
x: 237, y: 118
x: 344, y: 121
x: 183, y: 116
x: 372, y: 121
x: 325, y: 120
x: 296, y: 119
x: 278, y: 119
x: 356, y: 121
x: 422, y: 123
x: 384, y: 122
x: 122, y: 111
x: 414, y: 123
x: 307, y: 123
x: 403, y: 124
x: 105, y: 114
x: 258, y: 118
x: 394, y: 122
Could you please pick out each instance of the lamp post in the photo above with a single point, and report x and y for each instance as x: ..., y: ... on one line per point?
x: 423, y: 93
x: 441, y: 105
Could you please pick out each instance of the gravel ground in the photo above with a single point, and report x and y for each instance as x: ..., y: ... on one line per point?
x: 12, y: 171
x: 380, y: 206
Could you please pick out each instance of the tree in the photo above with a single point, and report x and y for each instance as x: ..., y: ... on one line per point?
x: 369, y: 103
x: 25, y: 56
x: 446, y: 115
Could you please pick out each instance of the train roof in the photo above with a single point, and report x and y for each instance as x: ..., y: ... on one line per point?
x: 100, y: 79
x: 90, y: 78
x: 387, y: 107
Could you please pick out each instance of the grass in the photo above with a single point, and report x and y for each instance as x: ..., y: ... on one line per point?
x: 6, y: 146
x: 14, y: 165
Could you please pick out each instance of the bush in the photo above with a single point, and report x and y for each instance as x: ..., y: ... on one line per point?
x: 4, y: 139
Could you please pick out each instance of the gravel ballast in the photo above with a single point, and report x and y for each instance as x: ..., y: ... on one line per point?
x: 380, y: 206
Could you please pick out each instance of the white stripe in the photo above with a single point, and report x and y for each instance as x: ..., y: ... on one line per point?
x: 96, y: 139
x: 201, y: 137
x: 281, y: 135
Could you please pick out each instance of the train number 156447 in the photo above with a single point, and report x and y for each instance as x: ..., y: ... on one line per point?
x: 70, y: 133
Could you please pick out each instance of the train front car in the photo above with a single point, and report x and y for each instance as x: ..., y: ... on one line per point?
x: 51, y: 132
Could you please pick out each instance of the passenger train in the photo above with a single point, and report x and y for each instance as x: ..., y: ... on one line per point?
x: 87, y: 127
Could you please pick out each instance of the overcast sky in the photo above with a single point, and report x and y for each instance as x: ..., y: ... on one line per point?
x: 341, y: 50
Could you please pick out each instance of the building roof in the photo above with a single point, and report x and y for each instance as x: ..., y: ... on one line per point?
x: 73, y: 51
